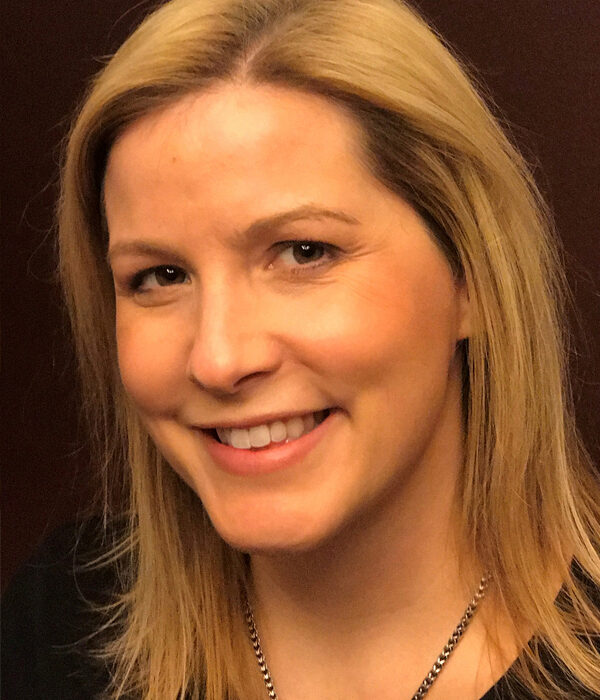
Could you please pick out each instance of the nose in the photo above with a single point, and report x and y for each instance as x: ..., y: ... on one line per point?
x: 232, y: 344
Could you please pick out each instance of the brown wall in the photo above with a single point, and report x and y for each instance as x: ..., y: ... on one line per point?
x: 541, y: 61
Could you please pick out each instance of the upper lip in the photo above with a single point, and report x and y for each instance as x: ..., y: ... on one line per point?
x: 260, y: 420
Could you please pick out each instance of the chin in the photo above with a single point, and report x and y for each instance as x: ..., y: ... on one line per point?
x: 271, y: 535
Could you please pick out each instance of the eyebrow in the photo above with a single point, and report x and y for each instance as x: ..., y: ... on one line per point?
x: 257, y: 228
x: 307, y: 211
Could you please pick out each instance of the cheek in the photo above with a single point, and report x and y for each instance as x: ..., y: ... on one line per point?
x: 382, y: 325
x: 152, y: 361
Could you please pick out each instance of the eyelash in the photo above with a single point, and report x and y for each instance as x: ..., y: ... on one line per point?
x: 137, y: 280
x: 330, y: 253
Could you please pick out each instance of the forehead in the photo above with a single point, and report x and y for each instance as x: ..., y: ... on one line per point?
x: 231, y: 123
x: 237, y: 152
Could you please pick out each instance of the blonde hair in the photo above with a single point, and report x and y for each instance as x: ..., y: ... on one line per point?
x: 528, y: 499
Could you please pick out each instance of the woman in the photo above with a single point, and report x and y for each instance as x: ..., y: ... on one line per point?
x: 319, y: 321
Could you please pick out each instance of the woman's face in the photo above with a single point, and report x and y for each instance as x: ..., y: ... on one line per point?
x: 262, y: 276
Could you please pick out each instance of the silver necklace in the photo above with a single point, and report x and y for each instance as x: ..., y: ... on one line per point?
x: 429, y: 679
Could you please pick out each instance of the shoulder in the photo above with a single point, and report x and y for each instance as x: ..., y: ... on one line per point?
x: 50, y: 614
x: 509, y: 688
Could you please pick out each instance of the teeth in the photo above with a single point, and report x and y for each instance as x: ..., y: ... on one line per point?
x: 238, y: 437
x: 295, y: 428
x: 262, y: 435
x: 278, y: 431
x: 309, y: 422
x: 259, y: 436
x: 223, y: 434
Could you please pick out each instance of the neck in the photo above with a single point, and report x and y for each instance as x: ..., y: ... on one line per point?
x: 381, y: 594
x: 388, y: 585
x: 328, y: 614
x: 399, y: 560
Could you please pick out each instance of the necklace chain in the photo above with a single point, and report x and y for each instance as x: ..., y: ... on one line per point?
x: 429, y: 679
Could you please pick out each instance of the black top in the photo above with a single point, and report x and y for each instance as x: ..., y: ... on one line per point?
x: 46, y: 614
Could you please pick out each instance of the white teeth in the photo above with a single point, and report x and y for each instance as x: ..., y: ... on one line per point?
x: 309, y: 422
x: 295, y: 427
x: 278, y: 431
x: 259, y: 436
x: 262, y: 435
x: 239, y: 437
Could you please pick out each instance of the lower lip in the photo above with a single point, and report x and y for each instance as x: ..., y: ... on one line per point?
x: 266, y: 459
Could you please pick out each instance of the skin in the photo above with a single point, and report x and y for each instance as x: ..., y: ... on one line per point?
x: 244, y: 329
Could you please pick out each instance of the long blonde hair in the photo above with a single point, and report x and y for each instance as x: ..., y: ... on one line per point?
x: 529, y: 501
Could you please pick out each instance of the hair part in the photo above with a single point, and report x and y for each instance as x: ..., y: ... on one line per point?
x: 528, y: 499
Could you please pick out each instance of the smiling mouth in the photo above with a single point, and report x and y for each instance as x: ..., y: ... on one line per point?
x: 269, y: 434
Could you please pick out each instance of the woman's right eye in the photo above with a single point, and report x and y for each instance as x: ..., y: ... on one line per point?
x: 158, y: 276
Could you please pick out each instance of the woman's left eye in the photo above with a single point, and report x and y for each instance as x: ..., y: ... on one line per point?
x: 309, y: 254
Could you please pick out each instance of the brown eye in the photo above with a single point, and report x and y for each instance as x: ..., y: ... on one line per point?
x: 159, y: 276
x: 305, y: 257
x: 307, y: 251
x: 166, y: 275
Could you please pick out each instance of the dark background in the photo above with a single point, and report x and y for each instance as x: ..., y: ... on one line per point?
x: 540, y: 60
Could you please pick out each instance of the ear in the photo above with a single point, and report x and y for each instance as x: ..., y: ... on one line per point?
x: 465, y: 315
